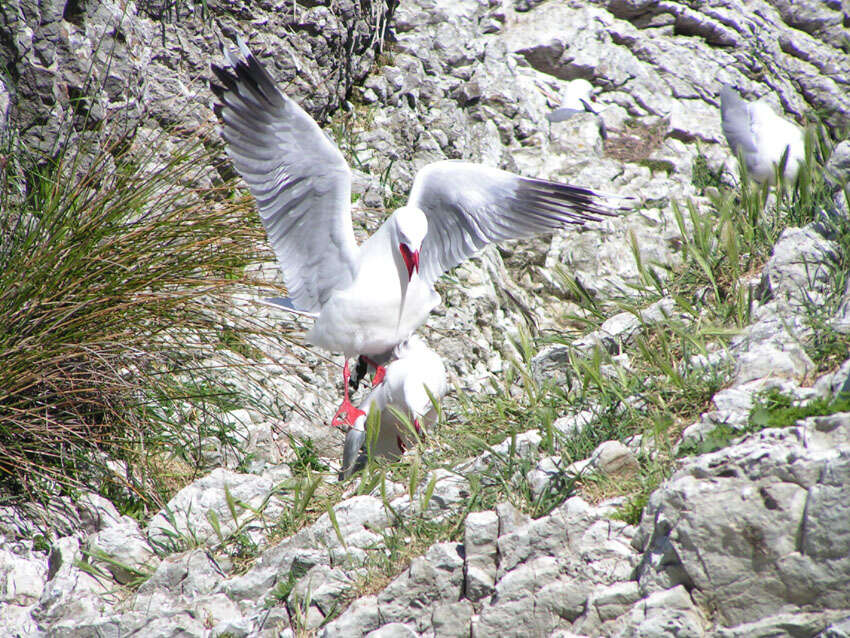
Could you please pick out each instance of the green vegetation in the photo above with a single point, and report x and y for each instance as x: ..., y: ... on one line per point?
x: 306, y: 458
x: 284, y: 587
x: 703, y: 177
x: 658, y: 165
x: 717, y: 439
x: 773, y: 409
x: 119, y: 340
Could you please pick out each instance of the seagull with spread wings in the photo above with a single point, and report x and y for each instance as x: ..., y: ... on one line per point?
x: 366, y: 299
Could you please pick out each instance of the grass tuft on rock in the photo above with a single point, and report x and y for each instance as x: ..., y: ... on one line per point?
x: 772, y: 409
x: 118, y: 263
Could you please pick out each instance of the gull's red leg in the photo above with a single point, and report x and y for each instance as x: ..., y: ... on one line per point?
x: 380, y: 371
x: 346, y: 414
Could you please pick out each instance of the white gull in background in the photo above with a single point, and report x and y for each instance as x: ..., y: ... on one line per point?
x: 367, y: 299
x: 762, y: 137
x: 409, y: 378
x: 579, y: 94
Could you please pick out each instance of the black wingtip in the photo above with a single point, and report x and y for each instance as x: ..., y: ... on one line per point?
x: 572, y: 204
x: 244, y: 85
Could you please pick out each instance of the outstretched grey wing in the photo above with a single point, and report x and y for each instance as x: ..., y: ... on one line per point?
x: 300, y: 180
x: 469, y: 206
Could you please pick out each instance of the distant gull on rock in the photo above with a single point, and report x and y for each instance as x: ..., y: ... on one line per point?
x: 762, y: 137
x: 367, y: 299
x: 409, y: 378
x: 579, y: 94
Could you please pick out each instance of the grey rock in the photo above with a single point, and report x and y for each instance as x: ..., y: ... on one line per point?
x: 838, y: 165
x: 17, y: 621
x: 612, y: 601
x: 834, y: 383
x: 22, y: 577
x: 511, y: 611
x: 551, y: 364
x: 219, y: 610
x: 359, y: 518
x: 138, y: 64
x: 789, y: 624
x: 449, y: 490
x: 453, y: 620
x: 393, y: 630
x: 610, y: 458
x: 744, y: 552
x: 475, y: 80
x: 321, y: 587
x: 237, y: 629
x: 4, y: 105
x: 572, y: 424
x: 179, y: 580
x: 480, y: 534
x: 122, y: 550
x: 783, y: 360
x: 71, y: 596
x: 182, y: 623
x: 190, y: 513
x: 272, y: 622
x: 838, y: 629
x: 820, y: 20
x: 547, y: 473
x: 617, y: 331
x: 826, y: 433
x: 668, y: 612
x: 359, y: 619
x: 800, y: 270
x: 510, y: 518
x: 435, y: 578
x: 566, y: 598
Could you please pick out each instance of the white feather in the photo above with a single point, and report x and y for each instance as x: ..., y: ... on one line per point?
x: 416, y: 372
x: 762, y: 137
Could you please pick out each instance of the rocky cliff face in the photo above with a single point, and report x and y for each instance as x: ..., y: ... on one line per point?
x: 749, y: 540
x: 117, y: 65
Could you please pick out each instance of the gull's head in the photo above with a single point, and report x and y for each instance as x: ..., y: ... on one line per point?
x: 411, y: 226
x: 580, y: 89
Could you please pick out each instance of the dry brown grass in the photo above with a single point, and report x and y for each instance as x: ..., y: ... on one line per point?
x: 636, y: 141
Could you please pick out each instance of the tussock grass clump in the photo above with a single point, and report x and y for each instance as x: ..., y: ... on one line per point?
x: 117, y: 271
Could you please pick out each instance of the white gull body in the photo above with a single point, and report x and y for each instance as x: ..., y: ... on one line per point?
x: 762, y: 137
x: 409, y: 378
x: 577, y: 99
x: 367, y: 299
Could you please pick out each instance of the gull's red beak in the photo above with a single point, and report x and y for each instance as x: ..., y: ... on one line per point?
x: 411, y: 259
